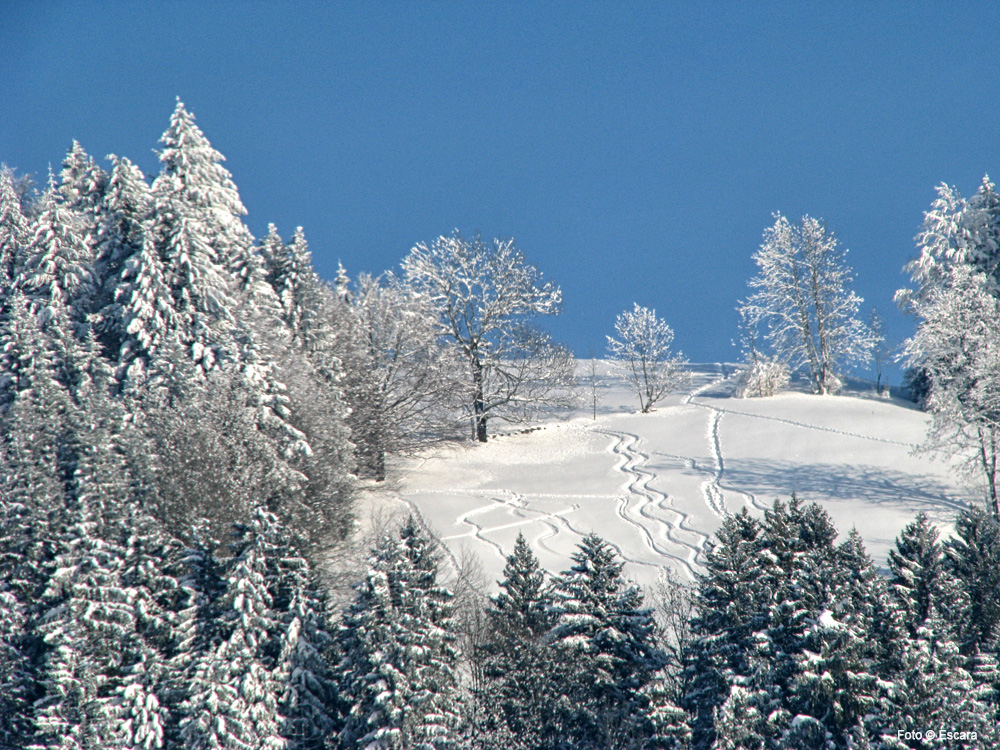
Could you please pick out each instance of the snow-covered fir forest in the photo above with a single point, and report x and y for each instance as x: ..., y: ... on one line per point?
x: 187, y: 414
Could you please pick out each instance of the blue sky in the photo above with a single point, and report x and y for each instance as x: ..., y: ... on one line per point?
x: 635, y: 150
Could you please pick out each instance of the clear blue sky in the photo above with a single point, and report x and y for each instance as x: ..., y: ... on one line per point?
x: 635, y: 150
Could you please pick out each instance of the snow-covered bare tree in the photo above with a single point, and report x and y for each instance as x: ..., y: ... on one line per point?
x: 955, y: 351
x: 957, y: 345
x: 487, y: 296
x: 804, y: 302
x: 642, y: 353
x: 764, y: 374
x: 402, y: 383
x: 880, y: 348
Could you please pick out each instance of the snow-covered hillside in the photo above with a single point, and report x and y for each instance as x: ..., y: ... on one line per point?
x: 656, y: 485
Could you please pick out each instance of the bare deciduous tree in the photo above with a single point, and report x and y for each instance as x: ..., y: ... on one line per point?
x: 642, y: 353
x: 804, y: 303
x: 487, y: 297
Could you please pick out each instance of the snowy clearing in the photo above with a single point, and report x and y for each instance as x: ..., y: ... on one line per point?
x: 657, y: 485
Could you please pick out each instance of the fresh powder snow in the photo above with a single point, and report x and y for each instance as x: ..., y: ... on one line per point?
x: 657, y: 485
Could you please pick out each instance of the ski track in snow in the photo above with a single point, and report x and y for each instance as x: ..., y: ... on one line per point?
x: 654, y: 515
x: 637, y: 485
x: 519, y: 508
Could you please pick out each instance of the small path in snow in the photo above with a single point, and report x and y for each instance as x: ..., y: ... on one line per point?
x: 713, y: 489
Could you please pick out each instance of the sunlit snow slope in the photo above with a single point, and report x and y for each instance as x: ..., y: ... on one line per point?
x: 657, y: 485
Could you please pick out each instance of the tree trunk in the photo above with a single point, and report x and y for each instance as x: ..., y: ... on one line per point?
x: 988, y: 456
x: 478, y: 401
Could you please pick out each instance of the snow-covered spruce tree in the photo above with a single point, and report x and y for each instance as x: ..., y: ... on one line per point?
x: 642, y: 354
x: 15, y: 229
x: 234, y: 692
x: 920, y: 582
x: 126, y: 290
x: 58, y: 270
x: 518, y: 675
x: 933, y: 685
x: 30, y: 489
x: 728, y: 604
x: 82, y: 184
x: 487, y: 296
x: 201, y: 291
x: 804, y: 302
x: 401, y: 381
x: 306, y: 302
x: 399, y: 682
x: 308, y: 701
x: 605, y: 633
x: 193, y: 167
x: 973, y: 558
x: 89, y: 615
x: 791, y: 637
x: 795, y: 577
x: 848, y: 653
x: 312, y: 371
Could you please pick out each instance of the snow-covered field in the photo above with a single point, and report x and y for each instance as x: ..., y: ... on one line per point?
x: 657, y: 485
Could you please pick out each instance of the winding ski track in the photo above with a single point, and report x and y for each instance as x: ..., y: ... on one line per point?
x: 637, y: 479
x: 667, y: 533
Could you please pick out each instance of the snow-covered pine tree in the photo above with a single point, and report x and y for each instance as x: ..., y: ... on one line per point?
x: 58, y: 272
x: 519, y: 675
x: 15, y: 229
x: 730, y: 607
x: 399, y: 684
x: 233, y: 697
x: 603, y: 628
